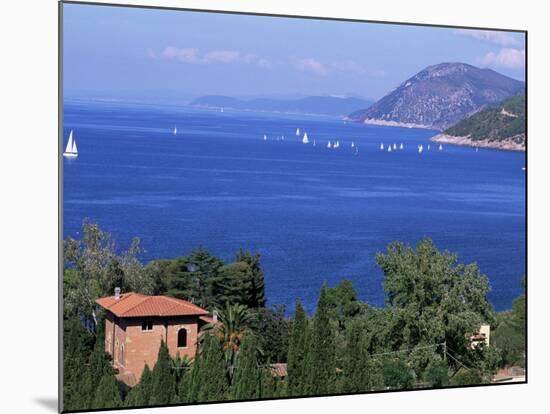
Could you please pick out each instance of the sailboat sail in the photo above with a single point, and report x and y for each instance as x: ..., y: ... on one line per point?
x: 329, y: 145
x: 297, y: 131
x: 71, y: 150
x: 381, y: 146
x: 305, y: 140
x: 175, y: 130
x: 74, y: 150
x: 70, y: 143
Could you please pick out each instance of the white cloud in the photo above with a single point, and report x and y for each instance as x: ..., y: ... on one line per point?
x: 500, y: 38
x: 311, y: 65
x: 506, y: 57
x: 194, y: 56
x: 222, y: 56
x: 349, y: 66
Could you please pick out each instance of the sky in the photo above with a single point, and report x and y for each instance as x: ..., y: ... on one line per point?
x: 175, y: 56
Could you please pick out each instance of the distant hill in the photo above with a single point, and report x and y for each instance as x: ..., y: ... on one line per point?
x: 321, y: 105
x: 499, y: 126
x: 440, y: 96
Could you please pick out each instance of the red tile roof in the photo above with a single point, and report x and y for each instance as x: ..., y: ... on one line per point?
x: 130, y: 305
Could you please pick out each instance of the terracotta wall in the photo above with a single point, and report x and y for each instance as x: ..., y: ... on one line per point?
x: 141, y: 347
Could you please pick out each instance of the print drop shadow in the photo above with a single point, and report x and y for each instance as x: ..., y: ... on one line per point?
x: 49, y: 403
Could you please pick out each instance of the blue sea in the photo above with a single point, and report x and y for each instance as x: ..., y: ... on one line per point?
x: 314, y: 214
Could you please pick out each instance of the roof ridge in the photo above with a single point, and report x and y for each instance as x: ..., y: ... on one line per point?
x: 145, y: 298
x: 185, y: 302
x: 123, y: 296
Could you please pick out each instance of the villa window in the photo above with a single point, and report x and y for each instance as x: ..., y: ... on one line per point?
x: 182, y: 338
x: 147, y: 325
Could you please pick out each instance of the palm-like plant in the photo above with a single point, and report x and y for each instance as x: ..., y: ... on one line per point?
x: 233, y: 325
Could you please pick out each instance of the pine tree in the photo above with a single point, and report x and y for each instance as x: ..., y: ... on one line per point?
x: 163, y: 382
x: 321, y: 361
x: 107, y: 394
x: 193, y: 277
x: 245, y: 379
x: 297, y: 353
x: 209, y: 380
x: 256, y: 293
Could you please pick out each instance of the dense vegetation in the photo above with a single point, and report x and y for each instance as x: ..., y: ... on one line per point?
x: 419, y: 339
x: 503, y: 121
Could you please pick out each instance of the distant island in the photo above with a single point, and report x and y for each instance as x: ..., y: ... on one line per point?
x: 501, y: 126
x: 440, y: 96
x: 317, y: 105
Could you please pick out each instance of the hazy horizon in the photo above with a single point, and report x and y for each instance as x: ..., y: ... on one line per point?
x: 176, y: 56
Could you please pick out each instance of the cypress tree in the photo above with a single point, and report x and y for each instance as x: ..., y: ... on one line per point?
x: 134, y: 397
x: 321, y: 361
x: 184, y: 387
x: 297, y: 353
x: 209, y: 376
x: 245, y: 379
x: 107, y: 394
x: 163, y: 382
x: 139, y: 395
x: 268, y: 385
x: 86, y: 389
x: 356, y: 361
x: 99, y: 360
x: 146, y: 385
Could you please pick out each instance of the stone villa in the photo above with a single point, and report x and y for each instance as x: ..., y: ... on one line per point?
x: 135, y: 325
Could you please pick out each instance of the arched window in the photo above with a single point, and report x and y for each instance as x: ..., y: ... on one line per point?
x: 121, y: 355
x: 182, y: 338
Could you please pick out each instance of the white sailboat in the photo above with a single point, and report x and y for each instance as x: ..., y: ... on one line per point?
x: 175, y: 130
x: 329, y: 145
x: 394, y: 146
x: 381, y: 146
x: 71, y: 151
x: 221, y: 109
x: 265, y: 137
x: 440, y: 147
x: 297, y: 131
x: 428, y: 147
x: 352, y: 144
x: 389, y: 148
x: 337, y: 145
x: 420, y: 148
x: 305, y: 139
x: 283, y: 138
x: 401, y: 146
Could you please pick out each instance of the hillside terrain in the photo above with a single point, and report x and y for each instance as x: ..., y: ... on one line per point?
x: 500, y: 126
x: 439, y: 97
